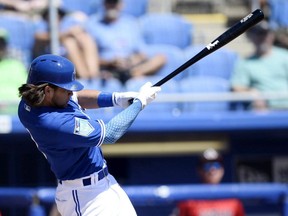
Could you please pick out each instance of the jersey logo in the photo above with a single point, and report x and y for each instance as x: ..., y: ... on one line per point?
x: 28, y: 108
x: 83, y: 127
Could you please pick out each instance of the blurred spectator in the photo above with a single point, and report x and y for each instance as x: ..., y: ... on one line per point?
x: 24, y: 6
x: 76, y: 43
x: 277, y: 15
x: 13, y: 73
x: 210, y: 171
x: 210, y: 167
x: 120, y: 44
x: 90, y: 6
x: 266, y: 70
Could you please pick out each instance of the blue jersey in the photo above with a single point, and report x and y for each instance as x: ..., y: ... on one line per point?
x: 69, y: 139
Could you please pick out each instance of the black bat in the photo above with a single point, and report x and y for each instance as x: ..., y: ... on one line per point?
x: 229, y: 35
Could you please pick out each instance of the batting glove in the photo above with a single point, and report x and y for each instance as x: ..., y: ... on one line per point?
x: 123, y: 99
x: 147, y: 93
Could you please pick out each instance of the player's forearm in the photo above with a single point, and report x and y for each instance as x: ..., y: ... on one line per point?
x: 88, y: 99
x: 119, y: 125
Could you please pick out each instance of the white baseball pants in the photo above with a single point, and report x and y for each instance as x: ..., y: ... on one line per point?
x: 101, y: 198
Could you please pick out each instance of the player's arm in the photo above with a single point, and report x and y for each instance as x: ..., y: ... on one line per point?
x: 91, y: 99
x: 119, y: 125
x: 91, y: 132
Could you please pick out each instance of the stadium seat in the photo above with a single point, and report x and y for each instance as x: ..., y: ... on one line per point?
x: 174, y: 55
x: 167, y: 28
x: 278, y: 13
x: 220, y: 63
x: 137, y: 10
x: 20, y: 36
x: 89, y: 7
x: 111, y: 85
x: 96, y: 6
x: 204, y: 84
x: 134, y: 84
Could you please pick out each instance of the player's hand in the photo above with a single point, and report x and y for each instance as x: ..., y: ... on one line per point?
x: 123, y: 99
x: 147, y: 93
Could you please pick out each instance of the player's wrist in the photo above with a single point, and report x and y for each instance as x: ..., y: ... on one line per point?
x: 105, y: 99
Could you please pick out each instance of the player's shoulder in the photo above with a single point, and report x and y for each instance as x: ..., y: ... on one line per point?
x: 49, y: 116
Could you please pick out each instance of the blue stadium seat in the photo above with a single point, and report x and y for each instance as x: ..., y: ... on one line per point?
x: 134, y: 84
x: 96, y: 6
x: 220, y: 63
x: 135, y: 9
x: 174, y: 55
x: 20, y: 35
x: 278, y: 13
x: 167, y: 28
x: 89, y: 7
x: 111, y: 85
x: 204, y: 84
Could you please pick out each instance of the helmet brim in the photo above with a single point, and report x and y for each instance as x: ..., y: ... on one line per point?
x: 72, y: 86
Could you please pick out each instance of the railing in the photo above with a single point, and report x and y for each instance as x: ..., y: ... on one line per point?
x: 184, y: 120
x: 143, y: 196
x: 202, y: 97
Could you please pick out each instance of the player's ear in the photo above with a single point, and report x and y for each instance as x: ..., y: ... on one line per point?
x: 48, y: 91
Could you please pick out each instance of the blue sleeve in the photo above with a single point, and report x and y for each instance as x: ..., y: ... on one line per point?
x: 119, y: 125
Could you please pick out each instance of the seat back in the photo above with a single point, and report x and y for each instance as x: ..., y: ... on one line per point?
x: 134, y: 84
x: 174, y: 57
x: 89, y: 7
x: 167, y: 28
x: 204, y: 84
x: 138, y: 9
x: 219, y: 63
x: 278, y: 13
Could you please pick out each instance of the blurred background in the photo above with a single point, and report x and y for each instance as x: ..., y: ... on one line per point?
x: 233, y: 101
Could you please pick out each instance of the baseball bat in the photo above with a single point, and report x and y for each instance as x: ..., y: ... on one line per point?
x: 229, y: 35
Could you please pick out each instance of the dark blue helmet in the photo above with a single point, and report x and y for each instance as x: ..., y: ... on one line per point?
x: 55, y: 70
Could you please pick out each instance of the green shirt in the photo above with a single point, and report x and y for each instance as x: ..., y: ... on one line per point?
x: 266, y: 74
x: 12, y: 75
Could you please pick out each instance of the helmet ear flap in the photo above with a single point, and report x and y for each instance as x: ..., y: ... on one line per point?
x: 55, y: 70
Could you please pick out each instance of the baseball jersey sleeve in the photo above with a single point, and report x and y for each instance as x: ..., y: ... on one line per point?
x: 119, y: 125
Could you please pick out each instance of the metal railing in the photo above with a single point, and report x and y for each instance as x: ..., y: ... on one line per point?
x: 35, y: 199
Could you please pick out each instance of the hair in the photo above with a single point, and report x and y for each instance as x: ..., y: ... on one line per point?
x: 112, y: 1
x: 33, y: 94
x: 3, y: 47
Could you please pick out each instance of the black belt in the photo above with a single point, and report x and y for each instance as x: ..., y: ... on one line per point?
x: 87, y: 181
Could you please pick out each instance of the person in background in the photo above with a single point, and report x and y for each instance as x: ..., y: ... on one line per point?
x: 24, y: 6
x: 277, y: 15
x: 210, y: 167
x: 120, y: 44
x: 13, y: 73
x: 76, y: 44
x: 211, y: 171
x: 266, y: 70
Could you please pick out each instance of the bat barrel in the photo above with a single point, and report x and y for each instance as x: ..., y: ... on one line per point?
x: 229, y: 35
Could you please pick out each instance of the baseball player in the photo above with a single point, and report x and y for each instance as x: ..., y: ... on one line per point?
x: 52, y: 109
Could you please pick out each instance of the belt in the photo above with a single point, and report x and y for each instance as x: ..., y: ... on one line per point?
x: 87, y: 181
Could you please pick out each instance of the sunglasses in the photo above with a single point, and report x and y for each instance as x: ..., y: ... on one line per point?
x: 208, y: 166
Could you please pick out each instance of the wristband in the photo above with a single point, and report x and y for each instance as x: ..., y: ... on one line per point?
x: 105, y: 99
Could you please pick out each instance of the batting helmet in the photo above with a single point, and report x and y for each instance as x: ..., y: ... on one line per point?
x: 54, y: 69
